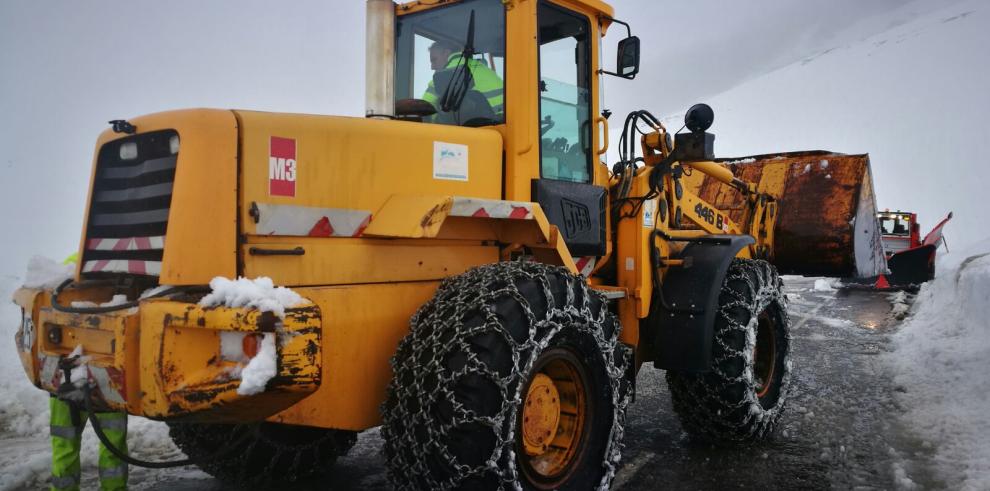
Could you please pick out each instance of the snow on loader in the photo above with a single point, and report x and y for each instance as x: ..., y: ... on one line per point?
x: 537, y: 280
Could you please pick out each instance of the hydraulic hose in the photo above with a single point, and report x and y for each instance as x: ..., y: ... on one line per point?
x: 98, y: 429
x: 99, y: 310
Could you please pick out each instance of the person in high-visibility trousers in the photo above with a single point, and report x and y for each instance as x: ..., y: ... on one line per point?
x: 66, y: 434
x: 66, y: 443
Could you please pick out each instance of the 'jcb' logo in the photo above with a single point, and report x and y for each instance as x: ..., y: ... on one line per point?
x: 577, y: 218
x: 282, y: 167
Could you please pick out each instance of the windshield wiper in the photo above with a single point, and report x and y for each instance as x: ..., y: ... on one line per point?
x: 461, y: 81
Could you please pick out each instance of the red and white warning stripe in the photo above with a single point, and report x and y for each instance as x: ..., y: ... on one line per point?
x: 311, y: 221
x: 585, y: 265
x: 153, y: 268
x: 127, y: 244
x: 490, y: 208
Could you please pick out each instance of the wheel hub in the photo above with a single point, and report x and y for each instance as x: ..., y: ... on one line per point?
x: 541, y: 415
x: 764, y: 356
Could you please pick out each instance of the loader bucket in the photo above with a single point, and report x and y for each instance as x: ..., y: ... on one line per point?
x: 827, y: 220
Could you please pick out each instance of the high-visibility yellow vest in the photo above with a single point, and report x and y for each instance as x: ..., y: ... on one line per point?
x: 486, y: 81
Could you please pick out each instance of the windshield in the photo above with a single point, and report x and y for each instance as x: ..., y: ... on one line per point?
x: 895, y: 223
x: 429, y: 48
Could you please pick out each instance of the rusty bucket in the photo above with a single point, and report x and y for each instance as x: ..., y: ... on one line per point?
x: 827, y: 220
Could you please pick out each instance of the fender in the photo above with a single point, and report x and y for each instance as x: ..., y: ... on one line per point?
x: 684, y: 316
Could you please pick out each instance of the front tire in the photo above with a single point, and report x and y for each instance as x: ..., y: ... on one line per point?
x: 512, y: 375
x: 742, y: 396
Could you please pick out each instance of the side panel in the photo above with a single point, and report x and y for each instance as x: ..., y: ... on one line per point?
x: 352, y: 261
x: 362, y: 326
x: 353, y: 165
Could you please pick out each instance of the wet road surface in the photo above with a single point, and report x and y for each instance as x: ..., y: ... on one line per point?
x: 840, y: 429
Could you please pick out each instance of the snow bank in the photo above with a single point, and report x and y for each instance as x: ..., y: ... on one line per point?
x: 942, y: 360
x: 43, y: 272
x: 259, y: 293
x: 260, y: 369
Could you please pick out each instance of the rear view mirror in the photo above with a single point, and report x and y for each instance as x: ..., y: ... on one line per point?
x: 627, y: 65
x: 628, y: 58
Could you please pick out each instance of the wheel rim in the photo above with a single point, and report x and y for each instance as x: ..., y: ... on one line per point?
x: 553, y: 420
x: 764, y: 355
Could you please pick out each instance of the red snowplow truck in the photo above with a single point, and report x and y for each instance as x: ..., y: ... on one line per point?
x: 910, y: 258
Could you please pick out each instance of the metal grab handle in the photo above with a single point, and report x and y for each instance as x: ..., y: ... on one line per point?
x: 258, y: 251
x: 604, y: 122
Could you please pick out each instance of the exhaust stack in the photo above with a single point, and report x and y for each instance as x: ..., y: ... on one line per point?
x: 379, y: 73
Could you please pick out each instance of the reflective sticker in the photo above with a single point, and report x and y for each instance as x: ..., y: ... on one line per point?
x: 282, y: 167
x: 311, y: 221
x: 27, y: 333
x: 585, y: 265
x: 649, y: 213
x: 450, y: 161
x: 491, y: 208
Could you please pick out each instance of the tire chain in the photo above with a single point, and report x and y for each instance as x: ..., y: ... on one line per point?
x: 183, y: 434
x: 432, y: 334
x: 694, y: 395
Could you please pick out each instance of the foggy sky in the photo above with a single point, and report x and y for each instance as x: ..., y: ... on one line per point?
x: 68, y: 67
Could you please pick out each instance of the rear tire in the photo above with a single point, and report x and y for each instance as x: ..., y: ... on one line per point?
x: 511, y: 376
x: 742, y: 396
x: 266, y: 453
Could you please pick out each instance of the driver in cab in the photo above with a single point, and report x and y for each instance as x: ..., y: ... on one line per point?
x: 445, y: 56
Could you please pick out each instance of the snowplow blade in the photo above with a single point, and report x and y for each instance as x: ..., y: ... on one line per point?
x: 168, y: 359
x: 827, y: 220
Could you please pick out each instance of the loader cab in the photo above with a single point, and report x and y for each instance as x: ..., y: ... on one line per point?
x: 541, y: 97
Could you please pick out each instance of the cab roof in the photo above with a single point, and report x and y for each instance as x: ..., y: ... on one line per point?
x: 603, y: 9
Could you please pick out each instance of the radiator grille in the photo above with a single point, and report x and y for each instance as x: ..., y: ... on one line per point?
x: 128, y: 213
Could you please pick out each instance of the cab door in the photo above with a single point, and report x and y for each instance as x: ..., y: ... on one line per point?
x: 565, y: 188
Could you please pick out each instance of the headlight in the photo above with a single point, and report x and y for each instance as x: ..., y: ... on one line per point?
x: 173, y: 144
x: 128, y: 151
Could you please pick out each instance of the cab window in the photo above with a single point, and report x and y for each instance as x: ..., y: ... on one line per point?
x: 895, y: 224
x: 565, y: 94
x: 429, y: 50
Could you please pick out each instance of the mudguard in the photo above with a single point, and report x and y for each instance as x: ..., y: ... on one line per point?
x: 684, y: 319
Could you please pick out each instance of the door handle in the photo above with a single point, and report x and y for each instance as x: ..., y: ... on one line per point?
x: 604, y: 123
x: 258, y: 251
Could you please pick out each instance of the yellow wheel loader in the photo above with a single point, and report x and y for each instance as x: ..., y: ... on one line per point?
x: 473, y: 277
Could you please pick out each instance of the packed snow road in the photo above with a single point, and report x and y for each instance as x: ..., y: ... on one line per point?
x: 841, y: 430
